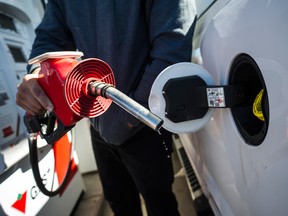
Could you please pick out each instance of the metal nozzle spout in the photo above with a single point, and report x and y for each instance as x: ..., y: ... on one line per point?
x: 140, y: 112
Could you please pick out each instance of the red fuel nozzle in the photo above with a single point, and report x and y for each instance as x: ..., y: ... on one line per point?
x: 84, y: 88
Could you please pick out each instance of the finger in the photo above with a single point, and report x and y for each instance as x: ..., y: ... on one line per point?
x: 31, y: 111
x: 25, y: 97
x: 40, y: 95
x: 28, y: 103
x: 34, y: 93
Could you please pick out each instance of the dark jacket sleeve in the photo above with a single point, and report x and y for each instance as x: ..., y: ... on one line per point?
x: 171, y: 25
x: 52, y: 34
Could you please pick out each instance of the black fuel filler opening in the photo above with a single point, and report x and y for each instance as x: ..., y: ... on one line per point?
x: 245, y: 71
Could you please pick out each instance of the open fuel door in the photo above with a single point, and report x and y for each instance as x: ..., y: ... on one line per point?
x: 184, y: 96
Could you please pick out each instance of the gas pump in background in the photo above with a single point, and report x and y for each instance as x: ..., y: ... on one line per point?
x: 78, y: 89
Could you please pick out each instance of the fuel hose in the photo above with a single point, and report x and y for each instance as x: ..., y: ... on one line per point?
x: 34, y: 160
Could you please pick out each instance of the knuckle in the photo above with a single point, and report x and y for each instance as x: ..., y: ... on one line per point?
x: 26, y: 78
x: 37, y: 92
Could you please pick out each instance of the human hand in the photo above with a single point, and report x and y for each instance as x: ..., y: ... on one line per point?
x: 31, y: 97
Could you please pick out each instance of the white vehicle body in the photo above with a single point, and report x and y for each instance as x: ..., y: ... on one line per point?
x: 237, y: 177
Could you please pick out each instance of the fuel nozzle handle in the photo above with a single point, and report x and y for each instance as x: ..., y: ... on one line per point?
x: 140, y: 112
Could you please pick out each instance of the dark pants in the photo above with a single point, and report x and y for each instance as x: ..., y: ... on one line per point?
x: 142, y: 164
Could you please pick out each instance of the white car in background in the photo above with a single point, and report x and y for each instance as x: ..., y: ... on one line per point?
x: 235, y: 157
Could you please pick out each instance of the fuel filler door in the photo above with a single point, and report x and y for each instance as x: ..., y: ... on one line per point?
x: 185, y: 97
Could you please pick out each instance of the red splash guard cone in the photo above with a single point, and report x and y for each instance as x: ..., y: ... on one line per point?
x: 76, y: 87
